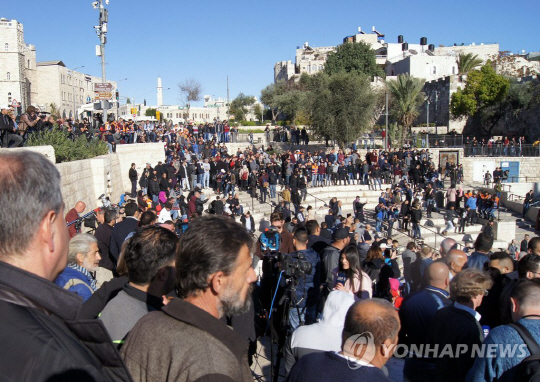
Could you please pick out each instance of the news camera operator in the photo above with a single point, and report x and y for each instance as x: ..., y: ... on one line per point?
x: 28, y: 121
x: 308, y: 283
x: 284, y: 244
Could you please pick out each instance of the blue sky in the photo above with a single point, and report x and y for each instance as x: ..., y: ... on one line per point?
x: 208, y: 40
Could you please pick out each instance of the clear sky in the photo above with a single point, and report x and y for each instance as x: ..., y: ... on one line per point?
x: 208, y: 40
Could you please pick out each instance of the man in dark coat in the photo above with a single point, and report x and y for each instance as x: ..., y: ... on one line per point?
x: 42, y: 336
x: 133, y: 179
x: 124, y: 228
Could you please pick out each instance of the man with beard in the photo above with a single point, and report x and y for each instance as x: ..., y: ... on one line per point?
x: 186, y: 339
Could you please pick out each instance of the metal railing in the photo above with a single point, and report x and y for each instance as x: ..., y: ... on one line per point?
x: 502, y: 151
x: 316, y: 198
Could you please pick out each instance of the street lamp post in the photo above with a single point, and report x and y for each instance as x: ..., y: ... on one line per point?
x: 386, y: 134
x: 73, y: 89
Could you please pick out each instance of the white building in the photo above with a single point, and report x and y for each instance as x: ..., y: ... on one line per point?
x: 17, y: 65
x: 431, y: 63
x: 214, y: 109
x: 308, y: 60
x: 26, y: 82
x: 66, y: 88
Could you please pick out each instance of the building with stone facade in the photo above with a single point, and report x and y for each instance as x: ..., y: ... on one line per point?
x: 24, y: 81
x: 17, y: 65
x: 66, y: 88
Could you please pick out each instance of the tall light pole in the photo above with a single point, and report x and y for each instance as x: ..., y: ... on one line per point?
x: 101, y: 31
x: 386, y: 135
x: 73, y: 89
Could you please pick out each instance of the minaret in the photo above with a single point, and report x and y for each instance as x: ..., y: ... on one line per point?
x: 159, y: 92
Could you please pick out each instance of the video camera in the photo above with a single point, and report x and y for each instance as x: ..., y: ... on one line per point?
x: 294, y: 265
x: 270, y: 240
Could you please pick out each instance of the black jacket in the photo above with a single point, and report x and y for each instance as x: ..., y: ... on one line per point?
x: 243, y: 221
x: 454, y: 327
x: 103, y: 235
x: 119, y: 234
x: 43, y: 338
x: 132, y: 174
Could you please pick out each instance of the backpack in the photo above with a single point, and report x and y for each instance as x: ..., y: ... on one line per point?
x: 529, y: 368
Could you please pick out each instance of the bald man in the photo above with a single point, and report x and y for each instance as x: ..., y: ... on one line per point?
x: 417, y: 314
x: 73, y: 215
x: 456, y: 260
x: 447, y: 245
x: 369, y: 336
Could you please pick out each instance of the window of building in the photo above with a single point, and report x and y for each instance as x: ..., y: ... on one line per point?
x: 69, y: 80
x: 28, y: 64
x: 453, y: 70
x: 63, y: 96
x: 320, y: 67
x: 6, y: 47
x: 434, y: 70
x: 8, y: 76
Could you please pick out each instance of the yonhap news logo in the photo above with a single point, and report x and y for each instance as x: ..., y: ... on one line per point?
x: 362, y: 347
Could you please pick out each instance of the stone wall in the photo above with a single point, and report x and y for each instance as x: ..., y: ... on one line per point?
x: 87, y: 179
x: 475, y: 167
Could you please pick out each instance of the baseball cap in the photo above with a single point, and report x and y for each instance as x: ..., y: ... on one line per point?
x: 342, y: 233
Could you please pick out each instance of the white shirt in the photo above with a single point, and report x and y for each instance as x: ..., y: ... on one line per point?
x: 164, y: 215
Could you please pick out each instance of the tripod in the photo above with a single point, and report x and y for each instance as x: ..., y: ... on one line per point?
x: 279, y: 334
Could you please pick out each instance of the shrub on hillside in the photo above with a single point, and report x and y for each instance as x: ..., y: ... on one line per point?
x: 65, y: 149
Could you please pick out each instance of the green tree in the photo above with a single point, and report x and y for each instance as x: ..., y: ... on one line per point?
x: 128, y: 101
x: 258, y: 111
x: 407, y: 96
x: 150, y: 112
x: 340, y: 107
x: 353, y: 57
x: 467, y: 62
x: 481, y: 98
x: 53, y: 109
x: 240, y: 106
x: 269, y: 97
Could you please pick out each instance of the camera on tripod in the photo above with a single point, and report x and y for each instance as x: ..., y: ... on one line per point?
x: 294, y: 265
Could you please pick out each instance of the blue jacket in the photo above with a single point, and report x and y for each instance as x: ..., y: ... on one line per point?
x: 471, y: 202
x: 417, y: 313
x: 76, y: 282
x: 498, y: 366
x: 477, y: 260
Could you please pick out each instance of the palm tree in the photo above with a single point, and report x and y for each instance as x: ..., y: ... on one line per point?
x: 467, y: 62
x: 407, y: 96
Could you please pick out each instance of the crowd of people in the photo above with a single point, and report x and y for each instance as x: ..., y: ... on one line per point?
x: 149, y: 295
x: 157, y: 294
x: 494, y: 146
